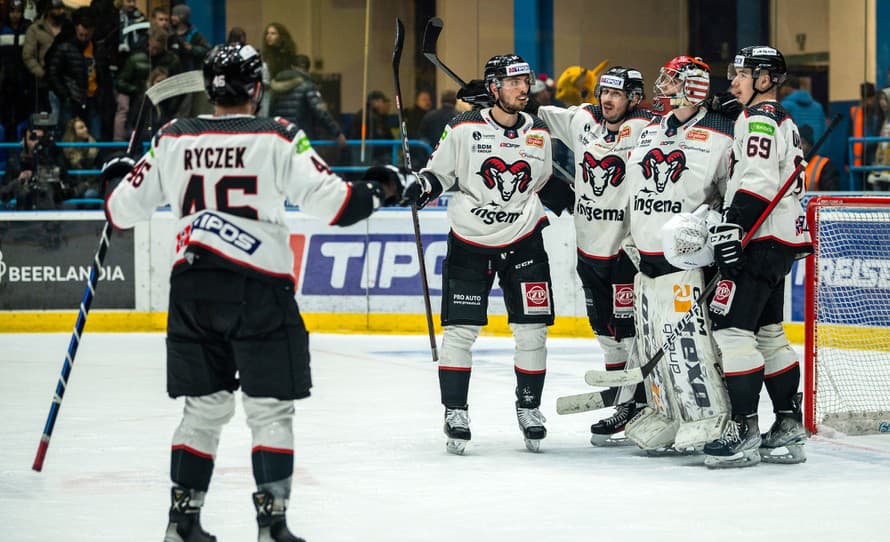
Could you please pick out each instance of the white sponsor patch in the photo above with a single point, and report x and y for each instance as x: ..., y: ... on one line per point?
x: 612, y: 82
x: 634, y: 74
x: 248, y: 52
x: 765, y: 51
x: 739, y: 61
x: 518, y: 69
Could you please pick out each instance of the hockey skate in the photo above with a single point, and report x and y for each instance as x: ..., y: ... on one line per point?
x: 185, y: 517
x: 784, y: 442
x: 270, y: 516
x: 457, y: 429
x: 531, y: 423
x: 738, y: 447
x: 605, y: 432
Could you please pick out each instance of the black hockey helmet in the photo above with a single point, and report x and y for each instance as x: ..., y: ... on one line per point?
x: 231, y: 73
x: 760, y: 59
x: 629, y: 80
x: 501, y: 66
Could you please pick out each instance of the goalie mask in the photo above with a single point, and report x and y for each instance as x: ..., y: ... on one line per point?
x: 231, y: 74
x: 683, y: 82
x: 685, y: 238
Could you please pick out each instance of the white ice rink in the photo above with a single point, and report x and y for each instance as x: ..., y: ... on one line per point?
x: 371, y: 462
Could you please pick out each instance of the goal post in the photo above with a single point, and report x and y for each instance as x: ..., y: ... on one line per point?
x: 847, y: 337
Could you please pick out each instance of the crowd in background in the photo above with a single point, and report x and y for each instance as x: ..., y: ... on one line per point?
x: 81, y: 65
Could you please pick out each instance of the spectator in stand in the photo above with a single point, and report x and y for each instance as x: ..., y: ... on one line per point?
x: 379, y: 126
x: 132, y: 80
x: 804, y: 110
x: 279, y: 49
x: 16, y: 83
x: 160, y: 18
x: 433, y: 123
x: 81, y: 81
x: 423, y: 104
x: 157, y: 115
x: 866, y: 120
x: 191, y: 45
x: 295, y: 97
x: 38, y: 39
x: 821, y: 175
x: 129, y: 15
x: 880, y: 180
x: 237, y: 35
x: 85, y: 186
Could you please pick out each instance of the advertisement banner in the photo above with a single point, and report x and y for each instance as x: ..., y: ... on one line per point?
x: 45, y: 265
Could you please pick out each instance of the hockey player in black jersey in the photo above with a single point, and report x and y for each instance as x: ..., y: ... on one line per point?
x: 233, y: 321
x: 747, y: 310
x: 498, y: 158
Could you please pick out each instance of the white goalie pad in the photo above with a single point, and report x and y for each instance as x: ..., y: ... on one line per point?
x: 686, y: 390
x: 685, y: 236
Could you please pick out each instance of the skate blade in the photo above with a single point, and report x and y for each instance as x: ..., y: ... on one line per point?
x: 609, y: 441
x: 735, y: 461
x: 456, y: 446
x: 784, y: 455
x: 533, y: 445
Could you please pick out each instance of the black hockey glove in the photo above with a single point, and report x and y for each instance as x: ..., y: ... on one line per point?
x: 726, y: 104
x: 726, y: 238
x: 475, y: 94
x: 113, y: 170
x: 392, y: 181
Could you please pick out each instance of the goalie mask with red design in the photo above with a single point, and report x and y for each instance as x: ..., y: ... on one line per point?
x: 683, y: 82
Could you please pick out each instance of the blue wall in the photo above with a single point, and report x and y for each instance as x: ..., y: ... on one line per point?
x: 533, y: 33
x: 209, y: 16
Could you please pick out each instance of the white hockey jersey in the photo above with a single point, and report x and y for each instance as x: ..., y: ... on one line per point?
x: 765, y: 153
x: 498, y: 172
x: 226, y: 179
x: 673, y: 169
x: 601, y: 195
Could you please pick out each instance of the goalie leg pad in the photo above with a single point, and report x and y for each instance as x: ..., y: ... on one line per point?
x: 651, y: 430
x: 196, y: 440
x: 271, y: 424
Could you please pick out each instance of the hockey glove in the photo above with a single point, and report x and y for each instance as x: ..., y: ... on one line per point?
x: 113, y: 170
x: 475, y: 94
x: 726, y: 104
x: 726, y: 238
x: 392, y: 181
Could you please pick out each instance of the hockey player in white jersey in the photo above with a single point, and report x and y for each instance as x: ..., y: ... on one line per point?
x: 601, y: 138
x: 680, y: 162
x: 233, y: 321
x: 747, y: 309
x: 498, y: 159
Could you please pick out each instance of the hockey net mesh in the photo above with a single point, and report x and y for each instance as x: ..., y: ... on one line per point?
x: 848, y: 320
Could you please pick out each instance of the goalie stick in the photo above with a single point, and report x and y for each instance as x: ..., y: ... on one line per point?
x: 406, y: 157
x: 638, y: 374
x: 184, y: 83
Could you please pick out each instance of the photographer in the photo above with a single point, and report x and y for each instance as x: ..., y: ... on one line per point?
x: 37, y: 178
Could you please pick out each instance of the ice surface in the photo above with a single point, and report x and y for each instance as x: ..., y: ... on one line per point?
x: 371, y: 462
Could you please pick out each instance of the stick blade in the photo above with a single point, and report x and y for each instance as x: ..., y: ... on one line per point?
x: 183, y: 83
x: 583, y: 402
x: 614, y: 378
x: 431, y: 35
x: 399, y: 43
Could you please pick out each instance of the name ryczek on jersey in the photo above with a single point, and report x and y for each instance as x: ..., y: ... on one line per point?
x: 601, y: 195
x: 498, y: 171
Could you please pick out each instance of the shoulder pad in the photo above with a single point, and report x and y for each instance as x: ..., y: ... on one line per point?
x: 538, y: 124
x: 638, y: 113
x: 772, y: 110
x: 470, y: 116
x: 595, y: 111
x: 718, y: 123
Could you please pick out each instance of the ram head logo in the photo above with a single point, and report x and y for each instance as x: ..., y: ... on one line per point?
x: 508, y: 179
x: 601, y: 173
x: 660, y: 168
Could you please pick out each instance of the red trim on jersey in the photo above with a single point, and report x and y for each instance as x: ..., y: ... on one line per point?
x: 287, y: 276
x: 286, y: 451
x: 592, y: 257
x: 743, y: 373
x: 615, y: 366
x: 533, y: 230
x: 468, y: 122
x: 643, y: 252
x: 215, y: 132
x: 108, y: 212
x: 342, y: 205
x: 783, y: 371
x: 753, y: 194
x: 782, y: 241
x: 529, y: 371
x: 460, y: 369
x: 188, y: 449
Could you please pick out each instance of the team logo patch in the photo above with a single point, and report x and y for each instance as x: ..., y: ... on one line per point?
x: 623, y: 300
x: 303, y: 144
x: 723, y: 297
x: 697, y: 135
x: 534, y: 139
x: 477, y: 135
x: 659, y: 167
x: 601, y: 173
x: 683, y: 298
x: 506, y: 178
x: 535, y: 298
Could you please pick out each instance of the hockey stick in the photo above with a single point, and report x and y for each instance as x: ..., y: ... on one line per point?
x: 638, y: 374
x: 184, y: 83
x: 406, y: 158
x: 582, y: 402
x: 430, y: 37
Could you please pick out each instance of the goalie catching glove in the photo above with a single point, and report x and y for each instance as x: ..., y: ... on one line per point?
x: 113, y: 170
x: 685, y: 238
x: 391, y: 182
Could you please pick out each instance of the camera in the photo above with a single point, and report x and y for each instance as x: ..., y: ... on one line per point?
x: 44, y: 188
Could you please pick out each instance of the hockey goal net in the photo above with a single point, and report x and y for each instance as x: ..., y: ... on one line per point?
x: 847, y: 349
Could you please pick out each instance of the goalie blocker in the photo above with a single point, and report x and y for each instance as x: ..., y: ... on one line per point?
x: 688, y: 403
